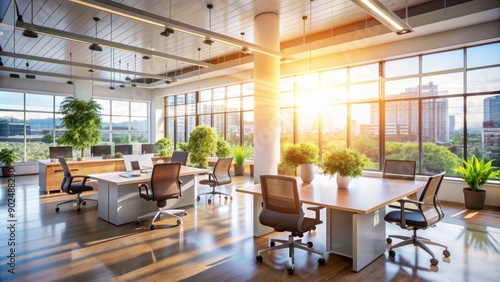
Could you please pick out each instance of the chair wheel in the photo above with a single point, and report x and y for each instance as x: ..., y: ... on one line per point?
x: 84, y: 203
x: 272, y: 244
x: 179, y: 221
x: 290, y: 270
x: 392, y: 253
x: 259, y: 258
x: 310, y: 244
x: 79, y: 209
x: 434, y: 261
x: 231, y: 198
x: 198, y: 198
x: 185, y: 213
x: 446, y: 253
x: 389, y: 240
x: 152, y: 227
x: 321, y: 261
x: 57, y: 209
x: 209, y: 201
x: 137, y: 222
x: 225, y: 198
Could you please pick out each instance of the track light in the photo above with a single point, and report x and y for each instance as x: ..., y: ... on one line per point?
x: 95, y: 46
x: 380, y: 12
x: 14, y: 75
x: 208, y: 41
x: 167, y: 32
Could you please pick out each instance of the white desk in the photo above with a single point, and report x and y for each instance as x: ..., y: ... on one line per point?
x: 355, y: 224
x: 119, y: 200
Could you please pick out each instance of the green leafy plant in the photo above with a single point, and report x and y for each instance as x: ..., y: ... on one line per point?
x: 82, y: 121
x: 223, y: 150
x: 7, y: 157
x: 202, y: 143
x: 182, y: 146
x: 294, y: 155
x: 345, y: 162
x: 240, y: 153
x: 164, y: 147
x: 476, y: 172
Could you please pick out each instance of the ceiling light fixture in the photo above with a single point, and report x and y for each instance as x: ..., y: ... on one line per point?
x: 120, y: 67
x: 208, y: 40
x: 146, y: 17
x: 127, y: 78
x: 244, y: 49
x: 380, y: 12
x: 70, y: 81
x: 95, y: 46
x: 135, y: 71
x: 167, y: 32
x: 1, y: 63
x: 26, y: 32
x: 111, y: 58
x: 29, y: 76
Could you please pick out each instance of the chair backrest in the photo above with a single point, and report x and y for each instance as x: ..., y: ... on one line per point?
x: 432, y: 211
x: 221, y: 171
x: 282, y: 209
x: 165, y: 181
x: 67, y: 178
x: 179, y: 157
x: 399, y: 169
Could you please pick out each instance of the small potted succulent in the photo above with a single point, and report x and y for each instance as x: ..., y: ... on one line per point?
x: 7, y: 157
x: 304, y: 155
x: 347, y: 163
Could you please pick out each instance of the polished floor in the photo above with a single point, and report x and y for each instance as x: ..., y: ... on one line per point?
x: 214, y: 243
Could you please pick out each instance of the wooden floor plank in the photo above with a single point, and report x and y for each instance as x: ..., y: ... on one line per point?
x: 215, y: 243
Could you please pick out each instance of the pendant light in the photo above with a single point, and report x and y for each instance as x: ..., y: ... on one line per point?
x: 29, y: 76
x: 70, y: 81
x: 120, y: 68
x: 208, y: 40
x: 27, y: 32
x: 135, y: 71
x: 166, y: 71
x: 127, y: 78
x: 111, y: 59
x: 95, y: 46
x: 244, y: 49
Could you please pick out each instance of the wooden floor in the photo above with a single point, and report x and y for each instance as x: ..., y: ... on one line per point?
x: 215, y: 243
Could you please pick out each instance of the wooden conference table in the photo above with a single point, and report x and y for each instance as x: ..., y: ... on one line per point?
x: 355, y: 224
x: 119, y: 200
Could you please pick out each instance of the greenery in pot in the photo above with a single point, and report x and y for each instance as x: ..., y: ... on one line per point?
x: 202, y: 143
x: 223, y: 148
x: 7, y: 157
x: 164, y: 147
x: 476, y: 172
x: 240, y: 153
x: 182, y: 146
x: 345, y: 162
x: 82, y: 121
x: 296, y: 154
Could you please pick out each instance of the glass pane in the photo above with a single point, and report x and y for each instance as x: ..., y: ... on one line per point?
x: 287, y: 99
x: 106, y: 122
x: 180, y: 99
x: 491, y: 123
x: 307, y: 81
x: 483, y: 80
x: 233, y: 104
x: 170, y: 111
x: 181, y: 133
x: 171, y: 128
x: 219, y: 124
x: 40, y: 127
x: 403, y: 88
x: 120, y: 123
x: 219, y: 93
x: 334, y: 128
x: 120, y: 137
x: 248, y: 128
x: 307, y: 125
x: 218, y: 106
x: 248, y: 103
x: 363, y: 73
x: 105, y: 137
x: 233, y: 91
x: 286, y: 126
x: 11, y: 100
x: 120, y: 108
x: 334, y: 77
x: 248, y: 89
x: 139, y: 123
x: 59, y: 100
x: 106, y: 106
x: 286, y: 84
x: 140, y: 137
x: 191, y: 109
x: 206, y: 95
x: 364, y: 91
x: 37, y: 102
x: 12, y: 133
x: 233, y: 128
x: 365, y: 132
x: 170, y: 100
x: 444, y: 84
x: 206, y: 120
x: 180, y: 110
x: 443, y: 61
x: 191, y: 98
x: 205, y: 107
x: 401, y: 67
x: 485, y: 55
x: 191, y: 124
x: 139, y: 109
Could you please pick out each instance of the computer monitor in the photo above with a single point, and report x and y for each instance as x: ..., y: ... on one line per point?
x: 148, y: 149
x: 100, y: 150
x: 124, y: 149
x: 61, y: 151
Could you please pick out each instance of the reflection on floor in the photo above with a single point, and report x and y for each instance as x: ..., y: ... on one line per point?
x: 215, y: 242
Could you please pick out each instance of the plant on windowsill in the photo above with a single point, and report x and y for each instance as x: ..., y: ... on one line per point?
x: 223, y: 150
x: 164, y: 147
x: 7, y: 157
x: 475, y: 173
x: 304, y: 155
x: 240, y: 153
x: 202, y: 143
x: 347, y: 163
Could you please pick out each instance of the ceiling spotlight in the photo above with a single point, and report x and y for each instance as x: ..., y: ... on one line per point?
x: 167, y: 32
x: 168, y: 81
x: 208, y: 41
x: 69, y: 82
x: 30, y: 76
x: 91, y: 70
x: 245, y: 50
x: 111, y: 88
x: 128, y: 78
x: 95, y: 46
x: 30, y: 33
x: 14, y: 75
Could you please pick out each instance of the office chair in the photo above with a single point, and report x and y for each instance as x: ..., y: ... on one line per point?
x: 179, y: 157
x: 77, y: 187
x: 165, y: 184
x: 428, y: 214
x: 282, y: 211
x: 404, y: 170
x: 218, y: 177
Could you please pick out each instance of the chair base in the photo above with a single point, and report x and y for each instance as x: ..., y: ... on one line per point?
x: 291, y: 244
x: 420, y: 242
x: 213, y: 193
x: 79, y: 201
x: 156, y: 214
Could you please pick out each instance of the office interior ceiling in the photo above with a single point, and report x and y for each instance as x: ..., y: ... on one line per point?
x: 51, y: 55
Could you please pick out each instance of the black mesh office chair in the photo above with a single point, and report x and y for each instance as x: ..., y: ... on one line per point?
x: 70, y: 186
x: 219, y: 176
x: 404, y: 170
x: 428, y: 214
x: 179, y: 157
x: 165, y: 184
x: 282, y: 211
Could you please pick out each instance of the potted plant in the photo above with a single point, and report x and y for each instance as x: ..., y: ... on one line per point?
x: 7, y: 157
x: 82, y: 121
x: 304, y: 155
x: 223, y: 148
x: 164, y: 147
x: 202, y: 143
x: 475, y: 173
x: 182, y: 146
x: 347, y: 163
x: 240, y: 153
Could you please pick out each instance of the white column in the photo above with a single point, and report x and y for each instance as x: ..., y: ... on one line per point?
x: 266, y: 97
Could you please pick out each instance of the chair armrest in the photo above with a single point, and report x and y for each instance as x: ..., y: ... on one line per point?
x: 144, y: 187
x: 402, y: 210
x: 316, y: 210
x: 85, y: 177
x: 180, y: 182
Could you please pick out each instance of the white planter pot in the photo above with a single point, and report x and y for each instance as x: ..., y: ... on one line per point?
x: 343, y: 181
x: 307, y: 172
